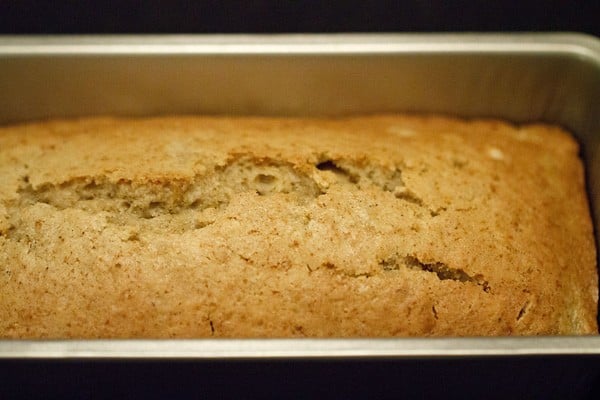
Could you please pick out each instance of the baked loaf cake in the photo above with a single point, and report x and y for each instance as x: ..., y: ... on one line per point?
x: 372, y: 226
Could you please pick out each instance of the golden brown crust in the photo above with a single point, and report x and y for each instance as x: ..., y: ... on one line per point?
x: 384, y: 225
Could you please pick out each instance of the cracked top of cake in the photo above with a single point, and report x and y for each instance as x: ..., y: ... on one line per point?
x: 366, y: 226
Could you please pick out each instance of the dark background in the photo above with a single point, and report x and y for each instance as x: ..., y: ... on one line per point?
x: 554, y: 377
x: 270, y: 16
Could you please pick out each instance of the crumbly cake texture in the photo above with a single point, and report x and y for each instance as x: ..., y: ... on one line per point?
x: 367, y: 226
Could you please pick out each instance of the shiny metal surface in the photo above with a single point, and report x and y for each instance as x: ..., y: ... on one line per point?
x: 519, y: 77
x: 301, y: 348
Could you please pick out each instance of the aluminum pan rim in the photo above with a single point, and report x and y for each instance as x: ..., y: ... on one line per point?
x: 301, y: 348
x: 573, y: 44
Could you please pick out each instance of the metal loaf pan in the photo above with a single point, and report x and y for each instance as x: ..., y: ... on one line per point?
x: 519, y: 77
